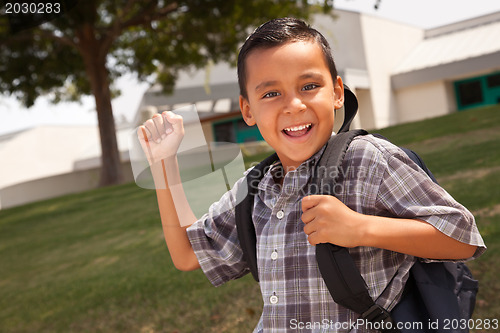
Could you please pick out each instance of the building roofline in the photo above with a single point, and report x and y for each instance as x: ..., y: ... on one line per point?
x: 10, y: 135
x: 462, y: 25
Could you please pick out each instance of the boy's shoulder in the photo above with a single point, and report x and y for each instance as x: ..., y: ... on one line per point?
x: 373, y: 151
x: 378, y: 155
x: 375, y: 144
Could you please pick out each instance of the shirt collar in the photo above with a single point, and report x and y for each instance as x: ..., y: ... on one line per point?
x: 270, y: 181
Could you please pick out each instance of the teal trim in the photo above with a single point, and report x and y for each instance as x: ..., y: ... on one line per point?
x: 477, y: 91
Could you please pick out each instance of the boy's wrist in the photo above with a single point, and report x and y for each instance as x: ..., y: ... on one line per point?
x: 163, y: 170
x: 365, y: 229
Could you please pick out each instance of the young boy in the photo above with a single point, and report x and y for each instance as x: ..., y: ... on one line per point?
x: 389, y: 213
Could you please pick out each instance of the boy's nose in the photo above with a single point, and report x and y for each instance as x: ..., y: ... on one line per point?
x: 295, y: 104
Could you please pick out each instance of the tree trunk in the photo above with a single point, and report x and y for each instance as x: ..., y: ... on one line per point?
x: 111, y: 168
x: 95, y: 65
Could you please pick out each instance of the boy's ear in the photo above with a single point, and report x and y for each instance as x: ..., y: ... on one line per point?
x: 245, y: 111
x: 338, y: 91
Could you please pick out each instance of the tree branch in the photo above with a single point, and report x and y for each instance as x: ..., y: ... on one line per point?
x: 126, y: 10
x: 29, y: 35
x: 143, y: 17
x: 147, y: 15
x: 61, y: 39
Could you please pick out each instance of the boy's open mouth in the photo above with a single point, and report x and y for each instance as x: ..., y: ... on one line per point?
x: 296, y: 131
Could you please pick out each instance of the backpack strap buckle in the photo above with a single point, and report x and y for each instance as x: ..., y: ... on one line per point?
x: 376, y: 313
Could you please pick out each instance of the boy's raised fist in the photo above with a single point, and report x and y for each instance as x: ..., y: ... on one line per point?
x: 161, y: 136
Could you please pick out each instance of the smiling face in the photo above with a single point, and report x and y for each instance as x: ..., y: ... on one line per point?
x: 291, y: 99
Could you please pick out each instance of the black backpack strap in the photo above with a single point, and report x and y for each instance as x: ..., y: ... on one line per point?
x: 243, y: 215
x: 347, y: 286
x: 328, y: 167
x: 341, y: 276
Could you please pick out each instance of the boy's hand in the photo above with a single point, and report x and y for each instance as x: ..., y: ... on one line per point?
x: 328, y: 220
x: 161, y: 136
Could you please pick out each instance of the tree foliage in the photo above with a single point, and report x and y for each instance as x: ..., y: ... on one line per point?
x: 95, y: 41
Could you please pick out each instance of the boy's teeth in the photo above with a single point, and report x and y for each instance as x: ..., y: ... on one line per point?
x: 297, y: 128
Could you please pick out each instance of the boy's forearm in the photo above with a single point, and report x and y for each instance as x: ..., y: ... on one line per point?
x: 174, y: 231
x: 413, y: 237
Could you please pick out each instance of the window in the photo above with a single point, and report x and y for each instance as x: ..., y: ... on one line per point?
x: 493, y: 80
x: 469, y: 93
x: 478, y: 91
x: 224, y: 132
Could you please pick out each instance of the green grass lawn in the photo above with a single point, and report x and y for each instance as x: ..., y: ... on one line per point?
x: 97, y: 262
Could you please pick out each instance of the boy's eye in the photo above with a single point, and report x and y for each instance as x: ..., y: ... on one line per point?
x: 271, y: 94
x: 310, y: 86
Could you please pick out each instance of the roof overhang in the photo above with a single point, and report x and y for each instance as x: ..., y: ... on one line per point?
x: 448, y: 71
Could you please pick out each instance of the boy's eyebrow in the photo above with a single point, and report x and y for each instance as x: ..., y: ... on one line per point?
x: 311, y: 75
x: 265, y: 84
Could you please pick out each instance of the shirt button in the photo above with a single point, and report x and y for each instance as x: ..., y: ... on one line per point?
x: 273, y: 299
x: 274, y: 255
x: 280, y: 214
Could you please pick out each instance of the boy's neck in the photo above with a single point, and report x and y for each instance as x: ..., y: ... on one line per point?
x: 280, y: 171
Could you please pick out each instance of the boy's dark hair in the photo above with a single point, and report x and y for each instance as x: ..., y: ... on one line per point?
x: 278, y: 32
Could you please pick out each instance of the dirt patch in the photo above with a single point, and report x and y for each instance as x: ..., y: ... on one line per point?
x: 105, y: 261
x: 456, y: 140
x: 469, y: 174
x: 487, y: 212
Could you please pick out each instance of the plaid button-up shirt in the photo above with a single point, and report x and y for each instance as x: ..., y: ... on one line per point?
x: 376, y: 178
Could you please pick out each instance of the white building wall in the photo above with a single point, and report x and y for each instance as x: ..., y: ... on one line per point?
x: 55, y: 186
x: 386, y: 44
x: 45, y: 151
x: 423, y: 101
x: 365, y: 112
